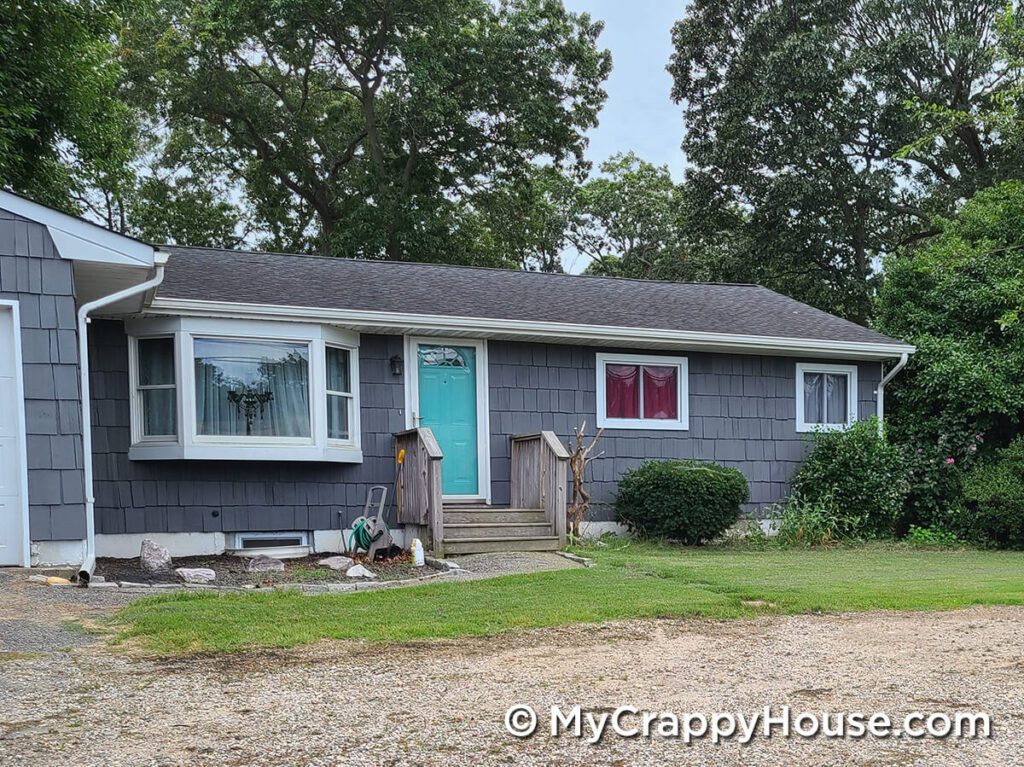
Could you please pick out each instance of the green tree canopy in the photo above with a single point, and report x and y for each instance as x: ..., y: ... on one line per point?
x: 796, y: 115
x: 62, y: 125
x: 362, y: 127
x: 960, y: 299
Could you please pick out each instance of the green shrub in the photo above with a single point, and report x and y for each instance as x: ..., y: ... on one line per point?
x: 683, y: 500
x: 932, y: 536
x: 994, y: 493
x: 860, y: 474
x: 809, y: 522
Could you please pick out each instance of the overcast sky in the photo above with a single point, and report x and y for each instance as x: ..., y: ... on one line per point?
x: 639, y: 113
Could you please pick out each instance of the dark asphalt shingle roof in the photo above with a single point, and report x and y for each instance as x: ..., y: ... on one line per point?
x: 333, y: 283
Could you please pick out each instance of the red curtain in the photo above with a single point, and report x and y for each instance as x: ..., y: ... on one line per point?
x: 622, y: 391
x: 661, y: 392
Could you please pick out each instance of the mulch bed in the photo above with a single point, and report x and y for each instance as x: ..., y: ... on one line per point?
x: 231, y: 571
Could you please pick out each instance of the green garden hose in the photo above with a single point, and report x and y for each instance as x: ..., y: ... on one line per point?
x: 360, y: 537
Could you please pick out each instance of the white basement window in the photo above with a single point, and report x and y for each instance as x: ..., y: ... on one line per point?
x: 642, y: 392
x: 242, y: 390
x: 826, y: 396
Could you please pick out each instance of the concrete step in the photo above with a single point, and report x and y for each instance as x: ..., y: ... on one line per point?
x: 496, y: 530
x: 507, y: 516
x: 487, y: 545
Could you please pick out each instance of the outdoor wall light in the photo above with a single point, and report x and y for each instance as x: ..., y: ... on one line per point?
x: 397, y: 365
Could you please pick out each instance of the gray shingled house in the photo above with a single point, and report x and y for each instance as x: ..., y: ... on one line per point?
x: 237, y: 401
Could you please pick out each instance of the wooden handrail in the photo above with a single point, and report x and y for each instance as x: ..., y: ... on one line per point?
x: 539, y: 475
x: 418, y: 497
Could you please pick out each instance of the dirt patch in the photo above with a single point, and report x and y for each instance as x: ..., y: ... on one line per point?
x: 232, y: 571
x: 442, y: 703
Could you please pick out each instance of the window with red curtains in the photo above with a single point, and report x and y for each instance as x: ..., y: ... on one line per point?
x: 642, y: 391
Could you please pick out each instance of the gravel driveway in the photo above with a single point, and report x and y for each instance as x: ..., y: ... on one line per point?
x: 442, y: 703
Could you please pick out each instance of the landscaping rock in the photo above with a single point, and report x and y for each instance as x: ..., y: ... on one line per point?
x: 264, y: 564
x: 358, y: 571
x: 196, y: 574
x: 153, y: 557
x: 337, y: 563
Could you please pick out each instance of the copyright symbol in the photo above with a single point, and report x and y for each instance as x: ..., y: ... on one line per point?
x: 521, y: 721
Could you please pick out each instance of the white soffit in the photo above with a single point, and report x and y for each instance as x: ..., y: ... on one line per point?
x: 79, y: 240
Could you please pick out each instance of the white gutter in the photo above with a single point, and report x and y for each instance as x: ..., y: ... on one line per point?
x: 159, y: 260
x: 880, y: 391
x: 529, y: 329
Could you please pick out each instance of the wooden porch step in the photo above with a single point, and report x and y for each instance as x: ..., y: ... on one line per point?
x: 487, y: 545
x: 506, y: 516
x: 496, y: 530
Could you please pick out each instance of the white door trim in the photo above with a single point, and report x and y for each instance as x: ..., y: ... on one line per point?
x: 483, y: 409
x: 19, y: 387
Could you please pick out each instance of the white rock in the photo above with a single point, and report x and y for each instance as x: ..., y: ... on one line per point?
x: 358, y: 571
x: 337, y: 563
x: 196, y: 574
x: 153, y: 557
x: 264, y: 564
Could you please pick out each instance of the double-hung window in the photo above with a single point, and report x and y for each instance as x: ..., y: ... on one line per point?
x: 239, y: 390
x: 826, y: 396
x: 340, y: 397
x: 156, y: 390
x: 641, y: 392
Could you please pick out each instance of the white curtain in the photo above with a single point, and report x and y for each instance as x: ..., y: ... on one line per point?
x: 835, y: 397
x: 279, y: 371
x: 814, y: 411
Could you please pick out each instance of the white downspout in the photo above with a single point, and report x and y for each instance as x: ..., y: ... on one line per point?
x: 159, y: 260
x: 880, y: 391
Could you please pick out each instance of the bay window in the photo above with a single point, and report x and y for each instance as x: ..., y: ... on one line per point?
x: 641, y: 392
x: 243, y: 390
x: 826, y: 396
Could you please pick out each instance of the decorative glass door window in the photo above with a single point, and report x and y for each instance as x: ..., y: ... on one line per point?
x: 156, y: 388
x: 251, y: 388
x: 826, y: 396
x: 641, y: 392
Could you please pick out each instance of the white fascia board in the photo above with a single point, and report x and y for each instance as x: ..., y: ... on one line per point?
x: 554, y: 331
x: 79, y: 240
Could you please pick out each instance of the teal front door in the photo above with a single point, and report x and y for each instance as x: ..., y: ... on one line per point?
x: 448, y: 405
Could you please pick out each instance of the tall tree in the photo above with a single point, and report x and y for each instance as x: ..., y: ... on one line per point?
x: 62, y: 125
x: 361, y: 127
x: 628, y: 219
x: 796, y: 114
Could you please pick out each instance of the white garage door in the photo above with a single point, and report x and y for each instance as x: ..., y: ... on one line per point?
x: 13, y: 507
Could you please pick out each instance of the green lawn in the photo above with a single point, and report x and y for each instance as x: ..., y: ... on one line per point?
x: 629, y: 580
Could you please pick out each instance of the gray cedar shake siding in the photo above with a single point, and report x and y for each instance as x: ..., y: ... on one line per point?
x: 742, y: 414
x: 33, y: 274
x: 234, y: 496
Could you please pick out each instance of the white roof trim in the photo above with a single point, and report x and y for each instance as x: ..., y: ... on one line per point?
x: 79, y: 240
x: 553, y: 331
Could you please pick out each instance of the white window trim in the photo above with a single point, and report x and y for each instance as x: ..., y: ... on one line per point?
x: 682, y: 423
x: 851, y: 395
x: 188, y: 444
x: 352, y: 396
x: 138, y: 435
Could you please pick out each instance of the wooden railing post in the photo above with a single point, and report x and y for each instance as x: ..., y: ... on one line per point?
x: 418, y: 497
x: 539, y: 476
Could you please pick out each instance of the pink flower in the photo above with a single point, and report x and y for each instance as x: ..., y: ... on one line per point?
x: 978, y: 437
x: 951, y: 460
x: 920, y: 450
